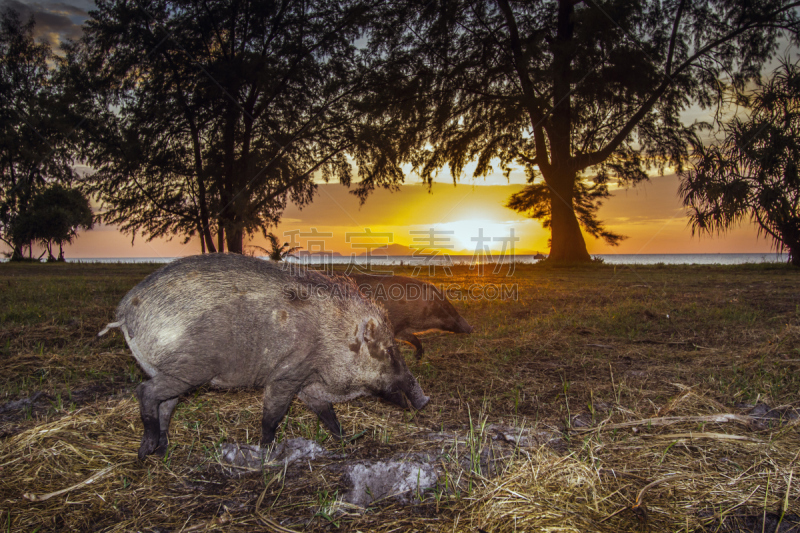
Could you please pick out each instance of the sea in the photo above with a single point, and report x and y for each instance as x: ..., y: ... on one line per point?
x: 614, y: 259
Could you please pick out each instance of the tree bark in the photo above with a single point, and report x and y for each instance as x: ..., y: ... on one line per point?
x: 202, y: 240
x: 17, y: 253
x: 228, y: 191
x: 566, y: 240
x: 220, y: 237
x: 791, y: 240
x: 235, y: 241
x: 205, y: 226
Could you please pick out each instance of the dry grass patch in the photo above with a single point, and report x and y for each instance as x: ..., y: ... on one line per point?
x: 603, y: 399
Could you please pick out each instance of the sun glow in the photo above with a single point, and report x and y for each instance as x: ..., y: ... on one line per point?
x: 468, y: 235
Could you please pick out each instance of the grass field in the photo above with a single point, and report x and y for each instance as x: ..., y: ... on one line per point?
x: 650, y: 398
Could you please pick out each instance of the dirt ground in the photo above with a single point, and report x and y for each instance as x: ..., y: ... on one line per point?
x: 590, y: 398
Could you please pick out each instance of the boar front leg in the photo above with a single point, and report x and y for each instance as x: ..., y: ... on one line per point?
x: 410, y: 338
x: 161, y: 390
x: 277, y: 399
x: 324, y: 411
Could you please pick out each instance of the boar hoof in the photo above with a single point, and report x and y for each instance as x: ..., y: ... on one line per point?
x: 163, y: 442
x: 418, y: 353
x: 267, y: 436
x: 149, y: 445
x: 161, y: 451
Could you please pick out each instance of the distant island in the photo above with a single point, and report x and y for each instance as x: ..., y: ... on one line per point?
x: 391, y: 250
x: 398, y: 250
x: 306, y: 253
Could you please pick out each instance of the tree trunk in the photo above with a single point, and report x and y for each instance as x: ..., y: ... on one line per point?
x: 788, y: 235
x: 566, y: 239
x: 205, y: 226
x: 202, y: 240
x: 220, y: 237
x: 206, y: 237
x: 228, y: 196
x: 17, y: 254
x: 794, y: 253
x: 235, y: 241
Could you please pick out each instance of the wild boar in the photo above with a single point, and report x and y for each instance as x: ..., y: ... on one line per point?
x: 414, y: 306
x: 235, y: 321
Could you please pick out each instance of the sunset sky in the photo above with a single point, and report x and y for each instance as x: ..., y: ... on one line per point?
x: 650, y: 215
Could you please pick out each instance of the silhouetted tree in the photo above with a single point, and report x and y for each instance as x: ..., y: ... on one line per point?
x: 54, y: 216
x: 278, y: 251
x: 34, y: 124
x: 753, y: 173
x: 583, y: 93
x: 208, y: 117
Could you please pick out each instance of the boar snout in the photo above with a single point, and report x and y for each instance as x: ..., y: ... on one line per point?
x: 464, y: 326
x: 408, y: 394
x: 414, y: 393
x: 420, y: 401
x: 406, y: 402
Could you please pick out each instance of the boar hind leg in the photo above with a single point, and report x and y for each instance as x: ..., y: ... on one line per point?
x: 324, y: 411
x: 410, y: 338
x: 152, y: 394
x: 164, y: 416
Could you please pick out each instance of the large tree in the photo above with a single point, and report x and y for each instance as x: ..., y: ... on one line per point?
x: 207, y: 117
x: 34, y: 124
x: 753, y: 172
x: 583, y: 93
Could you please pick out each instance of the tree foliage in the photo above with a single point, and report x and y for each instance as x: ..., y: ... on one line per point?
x: 582, y: 93
x: 54, y: 216
x: 35, y: 125
x: 208, y: 117
x: 753, y: 173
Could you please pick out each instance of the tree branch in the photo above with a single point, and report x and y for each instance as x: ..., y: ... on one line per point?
x: 583, y: 161
x: 293, y: 182
x: 296, y: 135
x: 520, y: 65
x: 673, y: 37
x: 766, y: 228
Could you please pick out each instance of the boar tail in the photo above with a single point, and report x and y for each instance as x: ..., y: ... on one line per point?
x: 109, y: 326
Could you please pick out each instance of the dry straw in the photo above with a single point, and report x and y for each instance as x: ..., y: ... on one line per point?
x: 682, y: 472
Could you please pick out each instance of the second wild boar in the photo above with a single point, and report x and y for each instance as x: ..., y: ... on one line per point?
x: 235, y: 321
x: 414, y: 306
